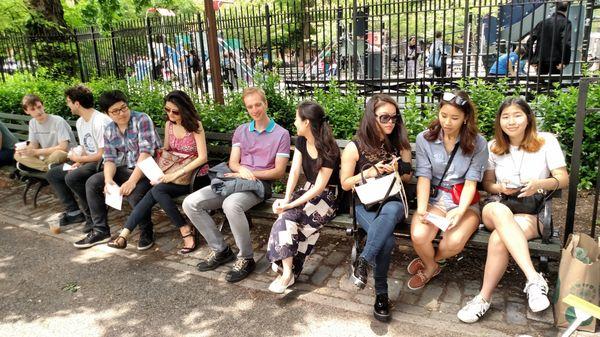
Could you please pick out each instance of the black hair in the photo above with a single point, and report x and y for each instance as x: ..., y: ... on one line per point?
x: 109, y: 98
x: 81, y: 94
x: 190, y: 120
x: 325, y: 144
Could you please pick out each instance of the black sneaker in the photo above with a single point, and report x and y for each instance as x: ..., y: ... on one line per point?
x: 381, y: 309
x: 146, y: 240
x: 215, y: 259
x: 360, y: 270
x: 89, y: 225
x: 93, y: 238
x: 241, y: 269
x: 65, y: 219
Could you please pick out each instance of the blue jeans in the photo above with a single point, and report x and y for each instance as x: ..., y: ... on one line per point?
x: 380, y: 239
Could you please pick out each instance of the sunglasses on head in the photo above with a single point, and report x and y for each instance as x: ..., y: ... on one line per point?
x: 170, y: 111
x: 383, y: 119
x: 448, y: 97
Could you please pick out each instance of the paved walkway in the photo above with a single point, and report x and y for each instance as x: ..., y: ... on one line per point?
x: 324, y: 280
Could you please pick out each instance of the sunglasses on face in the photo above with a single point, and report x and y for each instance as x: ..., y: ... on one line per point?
x: 171, y: 111
x: 383, y: 119
x: 448, y: 97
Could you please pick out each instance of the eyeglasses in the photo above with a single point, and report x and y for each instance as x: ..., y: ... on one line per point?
x: 171, y: 111
x: 448, y: 97
x: 118, y: 111
x: 383, y: 119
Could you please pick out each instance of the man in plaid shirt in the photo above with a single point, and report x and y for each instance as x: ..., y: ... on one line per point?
x: 128, y: 140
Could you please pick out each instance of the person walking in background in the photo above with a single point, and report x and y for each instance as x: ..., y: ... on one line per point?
x: 304, y: 211
x: 413, y: 51
x: 437, y: 56
x: 549, y: 45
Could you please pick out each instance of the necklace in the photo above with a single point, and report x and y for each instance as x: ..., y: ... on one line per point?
x: 512, y: 158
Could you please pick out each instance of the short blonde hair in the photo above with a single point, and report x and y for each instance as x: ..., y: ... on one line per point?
x: 254, y: 90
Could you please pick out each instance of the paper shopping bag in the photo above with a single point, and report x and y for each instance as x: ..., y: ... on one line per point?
x: 578, y: 274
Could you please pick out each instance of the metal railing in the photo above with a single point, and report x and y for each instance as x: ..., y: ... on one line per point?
x: 312, y: 42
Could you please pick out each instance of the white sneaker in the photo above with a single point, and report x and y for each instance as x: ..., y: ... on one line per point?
x: 473, y: 310
x: 537, y: 294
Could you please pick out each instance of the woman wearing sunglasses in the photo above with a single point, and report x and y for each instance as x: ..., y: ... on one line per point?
x: 183, y: 134
x: 451, y: 156
x: 522, y: 161
x: 381, y: 139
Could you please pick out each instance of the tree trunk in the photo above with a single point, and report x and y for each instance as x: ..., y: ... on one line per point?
x: 47, y: 16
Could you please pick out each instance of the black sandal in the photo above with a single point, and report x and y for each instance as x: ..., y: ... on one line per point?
x: 186, y: 250
x: 118, y: 242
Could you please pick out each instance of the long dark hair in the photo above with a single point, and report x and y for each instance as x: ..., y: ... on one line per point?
x: 369, y: 130
x: 531, y: 141
x: 325, y: 144
x: 468, y: 131
x: 190, y: 120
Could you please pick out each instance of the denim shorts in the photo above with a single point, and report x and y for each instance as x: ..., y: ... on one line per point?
x: 444, y: 203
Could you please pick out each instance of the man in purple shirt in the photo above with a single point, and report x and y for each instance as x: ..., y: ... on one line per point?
x: 260, y: 151
x: 128, y: 139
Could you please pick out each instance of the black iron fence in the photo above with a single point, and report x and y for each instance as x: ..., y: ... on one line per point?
x: 381, y: 46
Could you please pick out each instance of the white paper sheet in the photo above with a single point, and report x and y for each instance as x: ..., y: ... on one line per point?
x: 67, y: 167
x: 150, y: 169
x: 441, y: 222
x: 113, y: 196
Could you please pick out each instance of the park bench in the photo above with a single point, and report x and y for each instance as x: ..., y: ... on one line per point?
x: 219, y: 146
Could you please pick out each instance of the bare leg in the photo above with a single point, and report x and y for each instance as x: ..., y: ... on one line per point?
x: 188, y: 242
x: 422, y: 235
x: 287, y: 270
x: 455, y: 239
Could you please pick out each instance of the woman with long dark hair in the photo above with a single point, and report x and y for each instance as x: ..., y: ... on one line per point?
x: 380, y: 143
x: 522, y: 162
x: 303, y: 212
x: 453, y: 134
x: 183, y: 134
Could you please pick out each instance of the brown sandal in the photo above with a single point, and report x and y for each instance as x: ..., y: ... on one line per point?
x: 118, y: 242
x: 186, y: 250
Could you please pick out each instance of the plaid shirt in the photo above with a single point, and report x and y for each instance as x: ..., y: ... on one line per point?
x: 125, y: 148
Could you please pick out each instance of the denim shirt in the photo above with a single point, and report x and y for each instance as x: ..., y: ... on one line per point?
x: 432, y: 159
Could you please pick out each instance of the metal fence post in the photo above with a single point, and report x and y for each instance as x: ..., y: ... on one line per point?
x: 202, y: 55
x: 269, y: 46
x: 96, y: 55
x: 576, y: 157
x: 150, y: 49
x: 79, y: 61
x: 466, y: 39
x: 114, y: 52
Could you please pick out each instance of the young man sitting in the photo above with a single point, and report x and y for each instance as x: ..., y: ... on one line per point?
x: 260, y: 151
x: 50, y: 137
x: 85, y: 159
x: 128, y: 139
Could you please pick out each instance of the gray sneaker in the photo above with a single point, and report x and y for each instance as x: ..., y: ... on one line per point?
x: 241, y: 269
x: 215, y: 259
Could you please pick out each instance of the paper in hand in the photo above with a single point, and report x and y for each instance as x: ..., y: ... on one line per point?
x: 113, y: 196
x: 150, y: 169
x: 67, y: 167
x: 439, y: 221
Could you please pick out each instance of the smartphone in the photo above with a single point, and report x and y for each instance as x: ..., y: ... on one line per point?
x: 514, y: 185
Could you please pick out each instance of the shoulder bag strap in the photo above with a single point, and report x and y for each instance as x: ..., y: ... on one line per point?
x: 448, y: 164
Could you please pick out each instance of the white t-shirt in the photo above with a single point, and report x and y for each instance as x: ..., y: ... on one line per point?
x: 91, y: 134
x: 50, y: 133
x: 518, y: 165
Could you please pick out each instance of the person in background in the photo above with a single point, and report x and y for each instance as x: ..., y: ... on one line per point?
x: 509, y: 64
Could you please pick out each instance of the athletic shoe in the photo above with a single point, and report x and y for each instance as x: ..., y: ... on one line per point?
x: 474, y: 310
x: 537, y: 294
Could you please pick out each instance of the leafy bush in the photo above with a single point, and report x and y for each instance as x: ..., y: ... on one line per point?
x: 559, y: 111
x: 343, y: 109
x: 417, y: 115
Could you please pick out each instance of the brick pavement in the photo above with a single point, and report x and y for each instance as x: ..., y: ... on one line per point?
x: 324, y: 279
